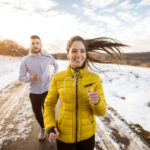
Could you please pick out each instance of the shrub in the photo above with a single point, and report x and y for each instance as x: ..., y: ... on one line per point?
x: 12, y: 48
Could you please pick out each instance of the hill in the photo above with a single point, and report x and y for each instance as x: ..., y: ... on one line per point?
x: 135, y: 59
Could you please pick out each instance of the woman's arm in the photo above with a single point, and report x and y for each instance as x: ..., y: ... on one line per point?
x: 49, y: 106
x: 100, y: 108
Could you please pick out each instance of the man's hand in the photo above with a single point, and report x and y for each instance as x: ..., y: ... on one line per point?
x: 34, y: 77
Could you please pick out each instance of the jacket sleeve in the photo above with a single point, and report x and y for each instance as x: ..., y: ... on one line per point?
x: 23, y: 72
x: 49, y: 106
x: 100, y: 108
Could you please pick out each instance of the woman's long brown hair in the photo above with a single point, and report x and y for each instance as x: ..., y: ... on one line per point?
x: 97, y: 49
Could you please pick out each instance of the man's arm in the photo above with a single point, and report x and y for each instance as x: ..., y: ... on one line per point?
x: 55, y: 65
x: 23, y: 72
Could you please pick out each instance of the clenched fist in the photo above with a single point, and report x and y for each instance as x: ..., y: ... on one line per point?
x: 34, y: 77
x: 93, y: 97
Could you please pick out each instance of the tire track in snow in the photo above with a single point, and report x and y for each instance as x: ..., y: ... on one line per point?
x: 115, y: 134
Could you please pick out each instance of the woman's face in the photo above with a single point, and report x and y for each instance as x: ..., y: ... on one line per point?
x: 77, y: 54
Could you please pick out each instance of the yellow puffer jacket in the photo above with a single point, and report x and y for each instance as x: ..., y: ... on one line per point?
x: 76, y: 117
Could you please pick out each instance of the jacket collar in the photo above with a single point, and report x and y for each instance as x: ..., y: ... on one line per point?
x: 73, y: 71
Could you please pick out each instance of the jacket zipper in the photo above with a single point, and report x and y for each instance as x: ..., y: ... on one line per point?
x: 76, y: 105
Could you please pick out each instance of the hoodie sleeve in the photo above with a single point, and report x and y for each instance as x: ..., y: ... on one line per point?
x: 100, y: 108
x: 55, y: 64
x: 23, y: 72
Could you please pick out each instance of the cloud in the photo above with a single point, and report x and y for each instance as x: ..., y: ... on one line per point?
x: 108, y: 20
x: 145, y: 2
x: 148, y: 13
x: 75, y: 5
x: 137, y: 36
x: 108, y: 10
x: 29, y: 5
x: 99, y: 3
x: 127, y: 17
x: 126, y: 5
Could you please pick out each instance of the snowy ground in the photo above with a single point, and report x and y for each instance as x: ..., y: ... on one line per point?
x: 126, y: 88
x: 8, y: 70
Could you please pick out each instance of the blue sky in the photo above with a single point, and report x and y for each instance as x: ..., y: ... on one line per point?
x: 55, y: 21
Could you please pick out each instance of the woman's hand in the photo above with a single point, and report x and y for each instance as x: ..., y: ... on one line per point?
x: 53, y: 136
x: 93, y: 97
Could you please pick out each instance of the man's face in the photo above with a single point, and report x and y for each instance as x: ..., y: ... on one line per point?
x: 35, y: 45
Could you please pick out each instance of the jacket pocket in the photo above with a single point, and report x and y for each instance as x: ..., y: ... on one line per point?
x: 87, y: 85
x: 59, y: 121
x: 92, y: 121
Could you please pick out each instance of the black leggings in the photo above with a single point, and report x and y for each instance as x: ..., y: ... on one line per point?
x: 83, y: 145
x: 37, y: 101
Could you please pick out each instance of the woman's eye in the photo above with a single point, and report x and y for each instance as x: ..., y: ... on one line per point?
x: 74, y: 51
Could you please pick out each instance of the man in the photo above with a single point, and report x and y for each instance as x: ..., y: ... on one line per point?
x: 35, y: 69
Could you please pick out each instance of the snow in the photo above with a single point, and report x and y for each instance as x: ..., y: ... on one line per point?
x: 9, y: 68
x: 109, y: 135
x: 20, y: 125
x: 126, y: 88
x: 133, y: 84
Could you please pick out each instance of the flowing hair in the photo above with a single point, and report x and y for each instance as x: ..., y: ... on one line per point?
x: 100, y: 50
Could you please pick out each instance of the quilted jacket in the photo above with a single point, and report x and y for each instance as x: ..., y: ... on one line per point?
x: 76, y: 117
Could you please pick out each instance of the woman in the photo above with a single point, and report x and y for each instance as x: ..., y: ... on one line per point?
x: 80, y: 93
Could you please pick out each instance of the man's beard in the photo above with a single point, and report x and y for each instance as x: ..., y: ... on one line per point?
x: 36, y: 50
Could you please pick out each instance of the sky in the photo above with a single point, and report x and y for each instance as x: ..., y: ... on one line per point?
x: 55, y: 21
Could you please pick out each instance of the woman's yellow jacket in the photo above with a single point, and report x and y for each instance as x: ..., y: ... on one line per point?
x: 76, y: 117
